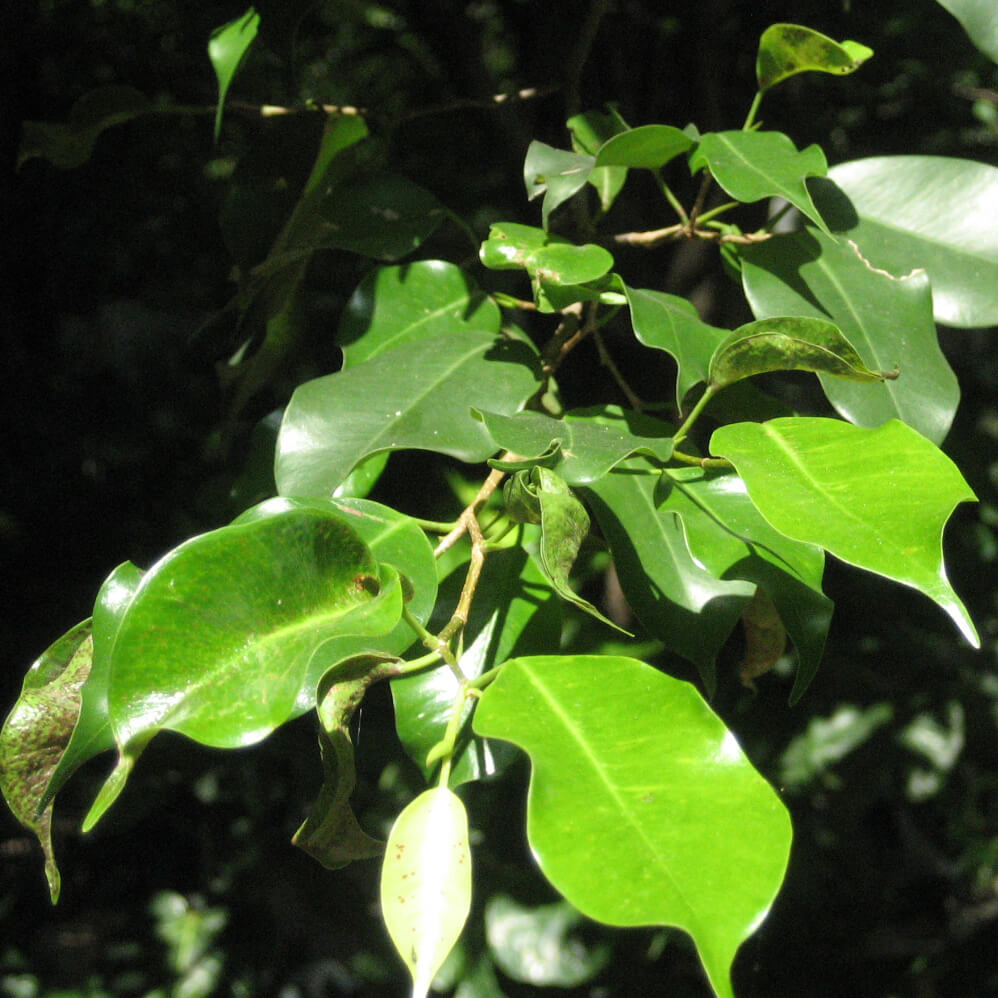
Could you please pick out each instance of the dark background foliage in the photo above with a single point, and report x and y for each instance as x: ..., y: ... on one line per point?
x: 112, y: 412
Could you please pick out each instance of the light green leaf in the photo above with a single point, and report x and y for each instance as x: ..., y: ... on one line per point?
x: 396, y: 305
x: 887, y: 319
x: 510, y: 244
x: 623, y: 840
x: 788, y: 49
x: 876, y: 498
x: 649, y: 147
x: 36, y: 733
x: 227, y: 48
x: 536, y: 946
x: 515, y: 612
x: 673, y: 596
x: 332, y: 423
x: 979, y: 19
x: 931, y: 212
x: 426, y: 883
x: 751, y: 166
x: 591, y: 441
x: 555, y: 173
x: 670, y: 323
x: 589, y: 131
x: 788, y: 343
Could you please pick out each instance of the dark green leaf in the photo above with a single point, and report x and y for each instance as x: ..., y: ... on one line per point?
x: 227, y: 48
x: 334, y: 422
x: 589, y: 131
x: 623, y: 839
x: 787, y: 49
x: 649, y: 146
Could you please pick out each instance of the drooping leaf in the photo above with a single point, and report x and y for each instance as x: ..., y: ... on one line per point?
x: 70, y: 144
x: 980, y: 20
x: 556, y: 173
x: 331, y: 833
x: 788, y: 49
x: 591, y: 441
x: 876, y: 498
x: 623, y: 839
x: 730, y: 538
x: 670, y: 323
x: 673, y: 596
x: 751, y: 166
x: 787, y: 343
x: 227, y: 48
x: 332, y: 423
x: 648, y: 146
x: 536, y: 946
x: 765, y: 638
x: 426, y: 883
x: 564, y: 525
x: 589, y: 131
x: 515, y: 612
x: 36, y: 733
x: 887, y: 319
x: 396, y: 305
x: 930, y: 212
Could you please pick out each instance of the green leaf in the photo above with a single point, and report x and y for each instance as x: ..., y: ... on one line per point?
x: 788, y: 343
x: 334, y: 422
x: 426, y: 883
x: 536, y: 945
x: 876, y: 498
x: 564, y: 526
x: 589, y: 131
x: 71, y: 144
x: 396, y: 305
x: 788, y: 49
x: 732, y: 540
x: 515, y: 612
x: 624, y: 839
x: 676, y: 599
x: 36, y: 733
x: 649, y: 147
x: 670, y: 323
x: 931, y: 212
x: 591, y: 441
x: 510, y: 244
x: 887, y: 319
x: 227, y: 48
x: 331, y: 833
x: 751, y: 166
x: 555, y: 173
x: 980, y: 20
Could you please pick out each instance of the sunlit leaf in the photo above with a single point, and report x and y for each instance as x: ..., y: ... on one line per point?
x: 876, y: 498
x: 979, y: 19
x: 426, y: 883
x: 555, y: 173
x: 623, y: 839
x: 787, y: 49
x: 648, y: 146
x: 589, y: 131
x: 227, y: 49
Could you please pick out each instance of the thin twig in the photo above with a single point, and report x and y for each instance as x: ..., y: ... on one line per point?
x: 649, y: 240
x: 470, y: 513
x: 567, y: 336
x: 608, y: 362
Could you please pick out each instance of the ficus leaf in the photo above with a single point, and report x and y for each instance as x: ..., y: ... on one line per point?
x: 227, y: 48
x: 648, y: 146
x: 555, y: 173
x: 426, y: 883
x: 788, y: 49
x: 765, y: 638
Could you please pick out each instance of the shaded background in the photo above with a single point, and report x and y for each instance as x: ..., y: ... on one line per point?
x: 112, y: 414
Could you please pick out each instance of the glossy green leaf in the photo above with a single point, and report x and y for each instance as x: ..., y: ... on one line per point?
x: 510, y: 244
x: 787, y: 343
x: 515, y: 612
x: 732, y: 540
x: 426, y: 883
x: 331, y: 833
x: 589, y: 131
x: 36, y: 733
x: 751, y: 166
x: 788, y: 49
x: 555, y: 173
x: 591, y: 441
x: 396, y: 305
x: 876, y: 498
x: 887, y: 319
x: 931, y: 212
x: 227, y: 48
x: 332, y: 423
x: 673, y: 596
x: 979, y: 19
x: 623, y: 839
x: 564, y: 525
x: 71, y: 143
x: 670, y: 323
x: 649, y: 147
x: 536, y: 945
